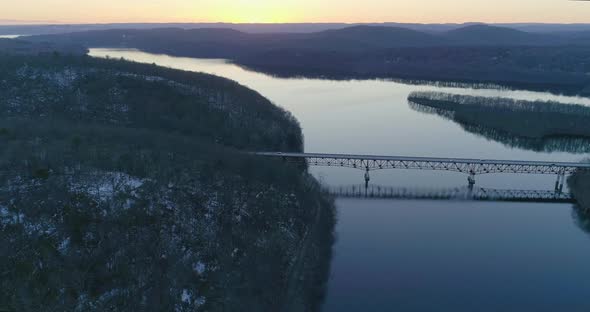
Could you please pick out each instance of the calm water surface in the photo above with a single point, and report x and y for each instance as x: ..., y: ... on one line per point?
x: 425, y: 255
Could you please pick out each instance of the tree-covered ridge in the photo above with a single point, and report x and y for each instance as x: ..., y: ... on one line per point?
x: 579, y: 183
x: 144, y: 96
x: 18, y: 46
x: 534, y: 125
x: 477, y: 54
x: 121, y: 190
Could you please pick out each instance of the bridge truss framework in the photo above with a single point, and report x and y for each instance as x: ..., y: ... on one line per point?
x: 472, y: 167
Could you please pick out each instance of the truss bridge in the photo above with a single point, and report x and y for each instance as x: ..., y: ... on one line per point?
x: 471, y: 167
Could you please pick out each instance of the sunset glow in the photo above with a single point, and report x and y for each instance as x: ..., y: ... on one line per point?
x: 287, y: 11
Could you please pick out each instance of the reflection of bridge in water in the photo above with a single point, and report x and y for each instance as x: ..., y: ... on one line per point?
x: 458, y: 193
x: 472, y: 167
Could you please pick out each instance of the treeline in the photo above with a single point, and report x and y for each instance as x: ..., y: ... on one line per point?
x: 18, y: 46
x: 475, y: 54
x: 450, y: 101
x: 536, y: 125
x: 579, y: 184
x: 560, y: 70
x: 122, y: 188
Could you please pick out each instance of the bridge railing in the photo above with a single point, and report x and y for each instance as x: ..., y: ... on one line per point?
x: 469, y: 166
x: 472, y: 167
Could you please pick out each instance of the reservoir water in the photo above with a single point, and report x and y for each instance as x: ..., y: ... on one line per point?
x: 426, y: 255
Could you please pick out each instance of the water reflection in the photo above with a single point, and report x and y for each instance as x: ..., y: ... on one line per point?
x: 423, y: 255
x: 582, y: 218
x: 455, y: 193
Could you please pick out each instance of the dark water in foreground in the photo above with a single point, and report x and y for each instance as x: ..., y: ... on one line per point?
x: 426, y: 255
x: 458, y: 256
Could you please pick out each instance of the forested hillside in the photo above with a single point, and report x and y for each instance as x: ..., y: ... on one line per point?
x: 17, y: 46
x: 560, y: 70
x: 122, y: 188
x: 579, y: 183
x: 556, y: 62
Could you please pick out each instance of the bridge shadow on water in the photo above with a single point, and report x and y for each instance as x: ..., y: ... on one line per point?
x: 457, y: 193
x: 580, y: 214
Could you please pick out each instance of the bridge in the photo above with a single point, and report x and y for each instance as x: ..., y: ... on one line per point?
x: 458, y: 193
x: 472, y: 167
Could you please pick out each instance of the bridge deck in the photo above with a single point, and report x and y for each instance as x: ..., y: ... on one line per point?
x: 472, y: 166
x: 428, y: 159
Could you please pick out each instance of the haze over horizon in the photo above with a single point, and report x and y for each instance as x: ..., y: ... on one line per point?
x: 294, y: 11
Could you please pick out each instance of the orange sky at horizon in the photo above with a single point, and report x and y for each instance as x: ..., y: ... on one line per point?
x: 294, y: 11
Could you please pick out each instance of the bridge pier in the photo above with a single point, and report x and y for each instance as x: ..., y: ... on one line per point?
x: 367, y: 178
x: 471, y: 180
x: 559, y: 183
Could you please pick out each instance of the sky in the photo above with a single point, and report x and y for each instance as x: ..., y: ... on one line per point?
x: 293, y: 11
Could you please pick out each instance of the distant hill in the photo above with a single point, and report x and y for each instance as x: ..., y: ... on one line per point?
x: 493, y: 35
x: 578, y: 37
x: 473, y: 54
x: 256, y: 28
x: 372, y: 37
x: 224, y: 43
x: 546, y: 27
x: 229, y: 43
